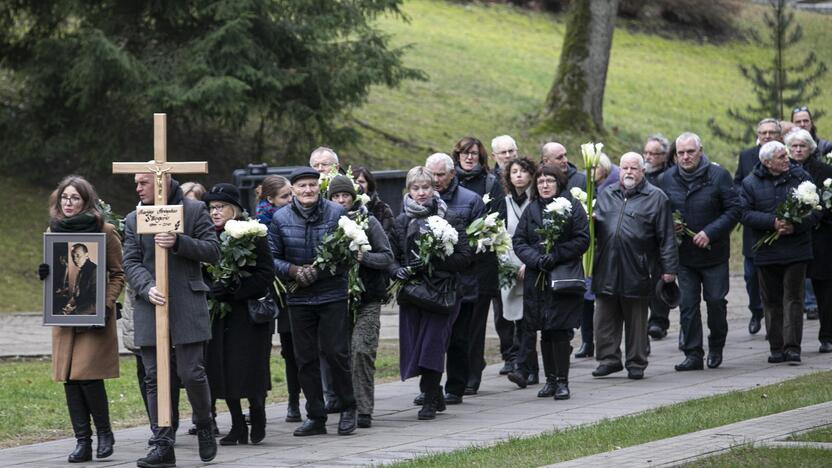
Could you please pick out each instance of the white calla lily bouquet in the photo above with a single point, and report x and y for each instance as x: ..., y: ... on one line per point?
x: 488, y: 234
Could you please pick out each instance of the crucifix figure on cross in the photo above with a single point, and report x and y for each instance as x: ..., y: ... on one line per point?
x: 166, y: 240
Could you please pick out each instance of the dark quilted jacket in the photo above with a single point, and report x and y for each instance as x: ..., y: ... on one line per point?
x: 468, y: 206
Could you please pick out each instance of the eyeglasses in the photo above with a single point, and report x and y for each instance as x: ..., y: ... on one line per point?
x: 72, y: 200
x: 546, y: 181
x: 800, y: 109
x: 469, y: 155
x: 213, y: 208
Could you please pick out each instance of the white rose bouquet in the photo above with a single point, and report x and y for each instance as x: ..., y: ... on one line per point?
x: 236, y: 253
x: 488, y: 233
x: 555, y: 217
x: 800, y: 203
x: 436, y: 240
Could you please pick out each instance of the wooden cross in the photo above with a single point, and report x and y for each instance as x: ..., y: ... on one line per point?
x: 162, y: 170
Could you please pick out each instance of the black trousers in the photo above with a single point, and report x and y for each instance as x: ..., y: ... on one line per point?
x: 505, y: 331
x: 322, y: 329
x: 459, y: 348
x: 587, y: 330
x: 782, y: 289
x: 190, y: 368
x: 175, y: 386
x: 287, y: 351
x: 823, y: 293
x: 476, y: 354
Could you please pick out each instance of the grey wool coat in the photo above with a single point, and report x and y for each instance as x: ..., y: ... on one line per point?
x: 187, y: 304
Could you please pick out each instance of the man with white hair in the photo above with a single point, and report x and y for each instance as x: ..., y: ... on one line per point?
x: 323, y: 159
x: 703, y: 194
x: 468, y: 206
x: 781, y: 265
x: 634, y: 230
x: 554, y: 154
x: 503, y: 150
x: 655, y: 164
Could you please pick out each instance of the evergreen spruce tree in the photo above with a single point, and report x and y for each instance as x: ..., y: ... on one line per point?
x: 779, y: 87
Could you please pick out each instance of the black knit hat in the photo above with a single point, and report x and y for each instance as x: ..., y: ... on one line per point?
x: 341, y: 184
x: 223, y: 192
x: 303, y: 173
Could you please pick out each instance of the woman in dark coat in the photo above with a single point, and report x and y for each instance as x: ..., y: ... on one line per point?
x: 423, y: 334
x: 555, y: 315
x: 376, y: 206
x: 83, y: 357
x: 238, y: 363
x: 805, y: 152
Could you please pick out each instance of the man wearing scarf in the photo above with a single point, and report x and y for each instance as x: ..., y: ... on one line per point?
x: 190, y: 324
x: 702, y: 193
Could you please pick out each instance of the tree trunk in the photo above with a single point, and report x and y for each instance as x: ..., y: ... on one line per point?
x: 576, y: 99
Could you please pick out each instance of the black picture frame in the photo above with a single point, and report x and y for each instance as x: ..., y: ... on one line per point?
x: 74, y: 293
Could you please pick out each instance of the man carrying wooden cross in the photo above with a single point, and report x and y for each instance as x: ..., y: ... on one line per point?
x: 190, y: 324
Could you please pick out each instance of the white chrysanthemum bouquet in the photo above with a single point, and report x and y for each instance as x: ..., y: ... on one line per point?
x: 800, y: 203
x: 436, y: 240
x: 555, y: 217
x: 488, y: 234
x: 236, y: 252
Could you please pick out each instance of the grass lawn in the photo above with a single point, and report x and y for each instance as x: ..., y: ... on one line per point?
x: 33, y: 407
x: 764, y: 457
x: 661, y: 423
x: 818, y: 435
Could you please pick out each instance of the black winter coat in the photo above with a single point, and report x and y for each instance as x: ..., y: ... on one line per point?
x: 542, y: 309
x: 468, y: 206
x: 633, y: 233
x: 238, y: 353
x: 709, y: 204
x: 575, y: 178
x: 382, y: 212
x: 746, y: 162
x: 761, y: 194
x: 822, y: 234
x: 486, y: 263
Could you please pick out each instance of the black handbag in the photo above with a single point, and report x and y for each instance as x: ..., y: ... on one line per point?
x: 436, y: 293
x: 568, y: 278
x: 263, y: 310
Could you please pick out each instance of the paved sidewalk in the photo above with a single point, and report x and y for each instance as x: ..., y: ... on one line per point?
x: 499, y: 412
x: 764, y: 431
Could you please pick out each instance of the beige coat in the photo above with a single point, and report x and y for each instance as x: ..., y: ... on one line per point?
x: 89, y: 354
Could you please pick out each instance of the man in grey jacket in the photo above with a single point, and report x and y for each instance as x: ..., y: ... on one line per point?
x: 634, y: 231
x: 190, y: 324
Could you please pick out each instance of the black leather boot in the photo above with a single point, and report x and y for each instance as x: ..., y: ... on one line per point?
x: 95, y: 395
x: 293, y: 409
x: 428, y: 410
x: 562, y: 351
x: 257, y: 410
x: 549, y: 369
x: 79, y: 415
x: 238, y: 434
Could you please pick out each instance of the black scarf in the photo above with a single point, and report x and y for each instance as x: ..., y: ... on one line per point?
x: 306, y: 213
x: 83, y: 222
x: 467, y: 176
x: 692, y: 176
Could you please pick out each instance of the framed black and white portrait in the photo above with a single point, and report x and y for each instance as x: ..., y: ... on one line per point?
x: 74, y: 292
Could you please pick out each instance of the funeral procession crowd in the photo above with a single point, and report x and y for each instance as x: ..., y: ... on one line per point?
x: 546, y: 247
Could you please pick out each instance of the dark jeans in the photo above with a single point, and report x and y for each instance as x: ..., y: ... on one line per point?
x: 781, y: 287
x: 587, y: 332
x: 752, y: 288
x: 505, y: 331
x: 823, y: 290
x: 322, y: 329
x: 189, y: 364
x: 525, y: 358
x: 476, y: 355
x: 287, y: 351
x: 459, y: 348
x: 710, y: 284
x: 810, y: 301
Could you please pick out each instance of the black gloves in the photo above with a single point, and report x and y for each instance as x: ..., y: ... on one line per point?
x: 546, y: 262
x: 219, y: 292
x: 402, y: 273
x: 43, y: 271
x: 415, y: 264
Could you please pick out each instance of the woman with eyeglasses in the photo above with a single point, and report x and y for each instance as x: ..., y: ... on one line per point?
x: 83, y: 357
x: 802, y: 117
x: 555, y: 315
x: 472, y: 172
x: 239, y: 350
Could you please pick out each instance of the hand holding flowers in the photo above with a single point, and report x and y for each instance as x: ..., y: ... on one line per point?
x: 437, y: 240
x: 799, y: 204
x: 555, y: 218
x: 237, y: 251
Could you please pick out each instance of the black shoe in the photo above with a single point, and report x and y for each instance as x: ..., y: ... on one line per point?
x: 293, y: 412
x: 310, y: 427
x: 506, y: 368
x: 440, y: 402
x: 533, y: 379
x: 561, y: 389
x: 792, y: 357
x: 105, y: 444
x: 365, y: 421
x: 82, y: 452
x: 428, y: 410
x: 587, y: 350
x: 812, y: 314
x: 754, y: 325
x: 690, y: 363
x: 419, y: 400
x: 605, y: 369
x: 518, y: 378
x: 776, y: 357
x: 635, y: 374
x: 469, y: 391
x: 548, y: 390
x: 451, y: 399
x: 160, y: 456
x: 237, y: 435
x: 206, y: 441
x: 825, y: 347
x: 346, y: 425
x: 192, y: 430
x: 714, y: 359
x: 332, y: 407
x: 656, y: 332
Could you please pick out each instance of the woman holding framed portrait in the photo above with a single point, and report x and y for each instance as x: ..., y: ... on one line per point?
x: 82, y: 357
